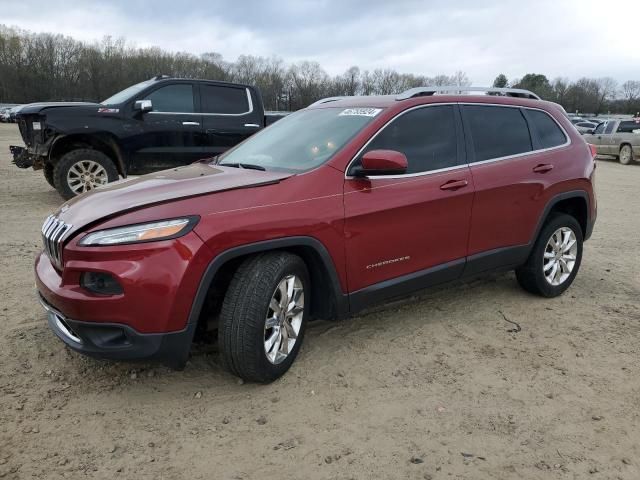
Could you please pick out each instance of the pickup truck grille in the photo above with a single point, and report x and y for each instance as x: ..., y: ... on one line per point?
x: 25, y: 131
x: 53, y: 233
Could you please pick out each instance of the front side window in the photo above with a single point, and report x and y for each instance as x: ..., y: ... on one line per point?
x: 599, y: 129
x: 497, y: 131
x: 427, y: 137
x: 301, y: 141
x: 172, y: 98
x: 549, y: 133
x: 224, y: 100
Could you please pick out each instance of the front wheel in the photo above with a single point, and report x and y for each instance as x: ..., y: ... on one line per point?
x: 263, y: 317
x: 555, y: 259
x: 626, y: 155
x: 81, y: 170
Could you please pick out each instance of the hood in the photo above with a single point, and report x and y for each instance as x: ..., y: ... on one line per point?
x: 32, y: 108
x: 178, y: 183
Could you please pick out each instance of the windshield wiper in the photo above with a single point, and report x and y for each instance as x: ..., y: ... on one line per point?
x: 248, y: 166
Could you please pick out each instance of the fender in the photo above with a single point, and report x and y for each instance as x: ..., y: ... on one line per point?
x: 558, y: 198
x: 342, y: 303
x: 102, y: 137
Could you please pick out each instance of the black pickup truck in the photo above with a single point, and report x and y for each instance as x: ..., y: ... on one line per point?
x: 157, y: 124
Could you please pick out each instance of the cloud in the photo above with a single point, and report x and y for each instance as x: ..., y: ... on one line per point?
x: 568, y: 38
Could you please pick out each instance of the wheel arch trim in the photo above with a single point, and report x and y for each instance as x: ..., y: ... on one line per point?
x: 342, y: 304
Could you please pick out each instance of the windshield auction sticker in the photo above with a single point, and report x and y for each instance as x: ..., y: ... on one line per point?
x: 363, y: 112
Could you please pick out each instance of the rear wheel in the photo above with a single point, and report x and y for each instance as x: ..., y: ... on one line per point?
x: 555, y: 258
x: 79, y: 171
x: 626, y: 155
x: 263, y: 317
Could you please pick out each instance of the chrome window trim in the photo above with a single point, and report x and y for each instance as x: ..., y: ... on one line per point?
x: 248, y: 92
x: 481, y: 162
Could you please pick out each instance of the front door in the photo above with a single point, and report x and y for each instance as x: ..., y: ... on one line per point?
x: 406, y: 230
x: 229, y: 116
x: 168, y: 136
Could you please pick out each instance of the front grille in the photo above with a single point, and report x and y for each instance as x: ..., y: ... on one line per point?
x: 53, y: 233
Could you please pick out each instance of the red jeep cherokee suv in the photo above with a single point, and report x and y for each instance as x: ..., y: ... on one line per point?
x: 351, y: 201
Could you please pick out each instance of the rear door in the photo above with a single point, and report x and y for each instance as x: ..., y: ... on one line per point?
x: 229, y: 115
x: 416, y: 222
x: 511, y: 169
x: 171, y: 134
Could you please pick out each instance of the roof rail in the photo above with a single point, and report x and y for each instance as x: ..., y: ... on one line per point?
x: 327, y: 100
x: 454, y: 90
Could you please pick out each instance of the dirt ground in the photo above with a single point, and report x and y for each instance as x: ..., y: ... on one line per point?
x: 434, y: 387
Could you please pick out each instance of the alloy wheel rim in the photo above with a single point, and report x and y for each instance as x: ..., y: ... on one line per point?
x: 560, y: 256
x: 284, y: 319
x: 86, y: 175
x: 625, y: 154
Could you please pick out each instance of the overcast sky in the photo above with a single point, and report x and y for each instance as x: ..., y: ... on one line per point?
x: 570, y: 38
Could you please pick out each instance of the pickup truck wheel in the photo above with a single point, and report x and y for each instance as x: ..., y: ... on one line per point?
x: 81, y: 170
x: 626, y: 154
x: 555, y: 259
x: 263, y: 317
x: 48, y: 174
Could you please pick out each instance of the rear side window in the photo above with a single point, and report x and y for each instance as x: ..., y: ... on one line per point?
x: 497, y: 131
x: 631, y: 126
x: 224, y: 100
x: 549, y: 133
x: 172, y: 98
x: 427, y: 137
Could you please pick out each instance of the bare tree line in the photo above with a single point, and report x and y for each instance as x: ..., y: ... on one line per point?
x: 48, y: 67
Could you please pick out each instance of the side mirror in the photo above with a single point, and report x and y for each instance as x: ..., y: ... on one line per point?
x: 382, y: 162
x: 143, y: 106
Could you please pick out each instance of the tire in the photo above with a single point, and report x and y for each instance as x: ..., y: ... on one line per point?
x: 531, y: 276
x: 626, y: 154
x: 82, y: 161
x: 244, y: 335
x: 48, y: 174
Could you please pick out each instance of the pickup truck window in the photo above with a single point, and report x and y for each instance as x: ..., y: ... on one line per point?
x: 301, y: 141
x: 173, y: 98
x: 609, y: 127
x: 224, y: 100
x: 599, y: 129
x: 629, y: 127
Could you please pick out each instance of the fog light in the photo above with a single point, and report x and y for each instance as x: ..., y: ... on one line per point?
x: 101, y: 283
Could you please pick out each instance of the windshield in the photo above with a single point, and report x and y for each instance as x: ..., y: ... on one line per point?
x: 301, y: 141
x: 126, y: 94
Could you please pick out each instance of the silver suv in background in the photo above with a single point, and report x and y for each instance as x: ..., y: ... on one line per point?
x: 620, y: 138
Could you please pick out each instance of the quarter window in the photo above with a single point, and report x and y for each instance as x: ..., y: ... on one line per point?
x: 497, y: 131
x: 427, y: 137
x: 173, y: 98
x: 225, y: 100
x: 609, y: 127
x: 549, y: 133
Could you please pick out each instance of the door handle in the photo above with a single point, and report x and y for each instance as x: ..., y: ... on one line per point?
x: 191, y: 123
x: 454, y: 185
x: 543, y: 168
x: 252, y: 125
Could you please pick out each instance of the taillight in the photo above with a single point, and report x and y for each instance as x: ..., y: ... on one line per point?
x: 594, y: 150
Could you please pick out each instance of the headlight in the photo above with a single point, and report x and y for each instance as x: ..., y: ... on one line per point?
x: 142, y: 232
